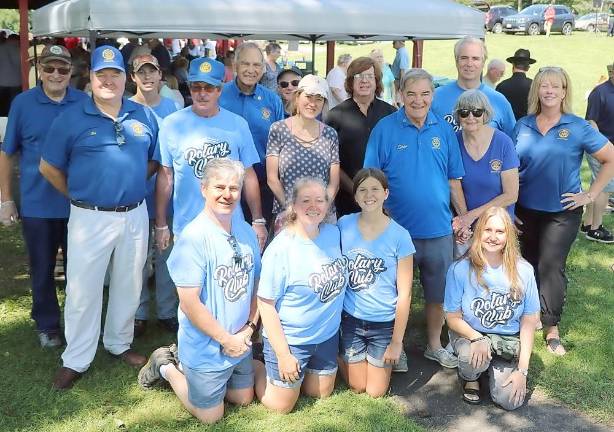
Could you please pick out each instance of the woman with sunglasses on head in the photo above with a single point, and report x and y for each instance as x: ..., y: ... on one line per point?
x: 489, y: 158
x: 492, y: 308
x: 378, y: 296
x: 550, y: 142
x: 301, y: 146
x: 300, y: 298
x: 287, y: 83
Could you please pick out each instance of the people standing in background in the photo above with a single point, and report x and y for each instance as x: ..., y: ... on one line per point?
x: 271, y: 67
x: 389, y: 91
x: 287, y: 83
x: 549, y: 14
x: 401, y: 64
x: 10, y: 73
x: 336, y: 81
x: 494, y: 72
x: 516, y: 88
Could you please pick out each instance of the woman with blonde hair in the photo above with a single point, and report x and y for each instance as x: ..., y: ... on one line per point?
x: 492, y: 308
x: 551, y: 142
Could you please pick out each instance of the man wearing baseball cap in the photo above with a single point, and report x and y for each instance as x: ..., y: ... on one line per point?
x: 146, y: 75
x: 44, y: 211
x: 516, y: 88
x: 190, y: 138
x: 99, y: 153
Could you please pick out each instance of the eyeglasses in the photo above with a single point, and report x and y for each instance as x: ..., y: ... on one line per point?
x: 464, y: 112
x: 61, y: 70
x: 364, y: 76
x: 550, y: 68
x: 119, y: 136
x: 285, y: 84
x: 199, y: 88
x: 236, y: 256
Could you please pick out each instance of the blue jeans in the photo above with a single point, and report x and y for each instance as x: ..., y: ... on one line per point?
x: 364, y: 340
x: 166, y: 293
x: 43, y: 237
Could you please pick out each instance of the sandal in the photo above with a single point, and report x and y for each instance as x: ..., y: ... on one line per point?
x: 471, y: 392
x: 554, y: 346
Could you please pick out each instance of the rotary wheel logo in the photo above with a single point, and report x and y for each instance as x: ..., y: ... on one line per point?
x: 205, y: 67
x: 108, y: 54
x: 495, y: 165
x: 436, y: 142
x: 138, y: 130
x: 266, y: 113
x: 564, y: 133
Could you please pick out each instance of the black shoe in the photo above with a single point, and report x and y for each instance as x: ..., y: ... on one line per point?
x: 600, y: 235
x: 149, y: 374
x: 171, y: 325
x: 140, y: 326
x: 584, y: 228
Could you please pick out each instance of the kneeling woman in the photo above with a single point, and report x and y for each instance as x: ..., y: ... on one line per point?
x: 492, y: 308
x: 376, y: 305
x: 300, y: 298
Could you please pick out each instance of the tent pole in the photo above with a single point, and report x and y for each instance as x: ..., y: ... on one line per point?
x: 313, y: 56
x: 416, y: 60
x: 23, y: 44
x: 330, y: 55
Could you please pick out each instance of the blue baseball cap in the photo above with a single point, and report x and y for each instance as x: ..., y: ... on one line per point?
x: 206, y: 70
x: 107, y: 56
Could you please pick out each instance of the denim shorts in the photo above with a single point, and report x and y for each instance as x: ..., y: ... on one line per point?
x: 433, y: 258
x: 206, y: 389
x: 316, y: 359
x: 364, y: 340
x: 595, y: 166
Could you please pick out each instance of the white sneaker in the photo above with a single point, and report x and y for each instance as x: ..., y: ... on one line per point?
x: 443, y: 357
x: 401, y: 366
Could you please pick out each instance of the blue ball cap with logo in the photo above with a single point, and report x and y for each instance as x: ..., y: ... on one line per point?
x: 206, y: 70
x: 107, y: 56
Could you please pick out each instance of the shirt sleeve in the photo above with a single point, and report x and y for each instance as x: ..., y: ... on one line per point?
x: 592, y: 139
x: 165, y: 143
x: 154, y: 145
x: 531, y: 296
x: 507, y: 116
x: 376, y: 155
x: 405, y: 246
x: 12, y: 138
x: 248, y: 155
x: 58, y: 144
x: 334, y: 145
x: 456, y: 169
x: 454, y: 288
x: 274, y: 145
x: 593, y: 108
x: 404, y: 60
x: 279, y: 109
x: 187, y: 262
x: 273, y: 273
x: 508, y: 153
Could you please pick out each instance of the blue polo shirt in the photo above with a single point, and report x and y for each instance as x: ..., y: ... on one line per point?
x: 418, y: 163
x: 83, y: 143
x: 447, y: 95
x: 260, y: 109
x: 550, y: 164
x: 28, y: 125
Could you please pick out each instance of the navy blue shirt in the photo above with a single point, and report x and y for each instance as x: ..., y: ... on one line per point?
x: 550, y: 164
x: 260, y: 109
x: 419, y: 164
x: 28, y: 125
x: 83, y: 143
x: 600, y: 108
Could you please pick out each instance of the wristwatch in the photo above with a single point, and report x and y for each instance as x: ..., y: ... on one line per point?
x: 251, y: 325
x: 525, y: 372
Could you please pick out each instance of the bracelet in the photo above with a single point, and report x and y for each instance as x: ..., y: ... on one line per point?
x: 251, y: 325
x: 478, y: 339
x: 165, y: 227
x: 259, y: 221
x: 525, y: 372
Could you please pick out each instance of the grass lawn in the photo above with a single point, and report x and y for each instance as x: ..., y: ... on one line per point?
x: 108, y: 398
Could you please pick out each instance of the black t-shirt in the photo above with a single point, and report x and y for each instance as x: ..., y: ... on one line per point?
x: 353, y: 129
x: 516, y: 91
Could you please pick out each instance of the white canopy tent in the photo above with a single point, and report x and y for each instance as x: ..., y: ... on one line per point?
x: 311, y: 20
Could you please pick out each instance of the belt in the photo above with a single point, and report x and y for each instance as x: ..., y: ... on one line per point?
x: 122, y: 209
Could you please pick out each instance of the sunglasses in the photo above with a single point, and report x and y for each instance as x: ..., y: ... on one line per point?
x: 464, y: 113
x: 119, y: 136
x: 236, y: 255
x: 285, y: 84
x: 51, y: 69
x: 550, y: 68
x: 199, y: 88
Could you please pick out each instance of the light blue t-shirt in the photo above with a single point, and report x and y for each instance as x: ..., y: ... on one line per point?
x: 306, y: 279
x: 260, y: 109
x: 101, y: 170
x: 550, y: 164
x: 482, y: 181
x: 371, y: 292
x: 492, y: 310
x: 187, y: 142
x: 388, y: 84
x: 447, y: 95
x: 401, y: 62
x: 205, y: 258
x: 419, y: 164
x: 163, y: 109
x: 30, y: 118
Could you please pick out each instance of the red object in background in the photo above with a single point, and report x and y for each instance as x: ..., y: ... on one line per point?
x: 71, y: 42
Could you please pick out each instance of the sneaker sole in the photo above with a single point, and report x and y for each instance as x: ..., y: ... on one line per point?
x: 432, y: 357
x: 599, y: 240
x: 145, y: 369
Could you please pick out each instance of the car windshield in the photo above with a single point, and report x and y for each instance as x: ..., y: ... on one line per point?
x: 532, y: 10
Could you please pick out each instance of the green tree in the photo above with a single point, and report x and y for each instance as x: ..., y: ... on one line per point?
x: 9, y: 19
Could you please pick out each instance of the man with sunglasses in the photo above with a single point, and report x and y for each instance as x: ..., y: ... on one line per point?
x: 189, y: 139
x: 260, y: 107
x: 470, y: 55
x: 100, y: 153
x: 44, y: 211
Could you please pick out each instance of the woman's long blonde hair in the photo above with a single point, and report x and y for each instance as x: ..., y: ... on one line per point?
x: 511, y: 251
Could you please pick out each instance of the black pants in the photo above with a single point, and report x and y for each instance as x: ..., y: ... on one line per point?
x: 545, y: 241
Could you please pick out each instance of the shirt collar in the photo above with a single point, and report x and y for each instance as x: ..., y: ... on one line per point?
x: 431, y: 119
x: 42, y: 97
x: 257, y: 90
x: 531, y: 121
x: 128, y: 106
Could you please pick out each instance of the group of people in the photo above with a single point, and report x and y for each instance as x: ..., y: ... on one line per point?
x: 343, y: 207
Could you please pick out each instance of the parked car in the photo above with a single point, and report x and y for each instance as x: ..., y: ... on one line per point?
x: 530, y: 20
x: 592, y: 21
x: 494, y: 17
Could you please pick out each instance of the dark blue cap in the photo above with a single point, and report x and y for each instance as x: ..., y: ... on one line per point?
x: 106, y: 56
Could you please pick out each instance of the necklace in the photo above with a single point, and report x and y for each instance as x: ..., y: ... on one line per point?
x: 301, y: 139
